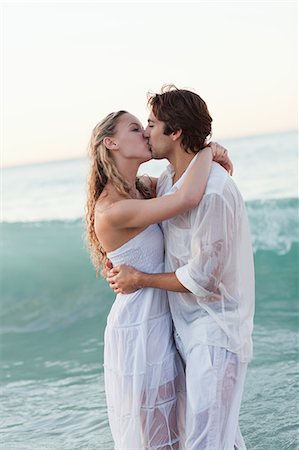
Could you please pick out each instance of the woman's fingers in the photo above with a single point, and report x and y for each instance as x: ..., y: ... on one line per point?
x: 219, y: 152
x: 229, y: 166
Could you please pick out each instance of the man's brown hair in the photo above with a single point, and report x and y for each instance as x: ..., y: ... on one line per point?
x: 185, y: 110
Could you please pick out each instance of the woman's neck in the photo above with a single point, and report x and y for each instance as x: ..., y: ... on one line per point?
x: 128, y: 170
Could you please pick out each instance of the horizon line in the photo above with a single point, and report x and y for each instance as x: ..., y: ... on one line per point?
x: 76, y: 158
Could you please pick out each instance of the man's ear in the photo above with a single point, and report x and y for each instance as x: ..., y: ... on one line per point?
x: 175, y: 135
x: 110, y: 143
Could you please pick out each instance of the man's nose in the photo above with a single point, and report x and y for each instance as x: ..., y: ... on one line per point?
x: 146, y: 133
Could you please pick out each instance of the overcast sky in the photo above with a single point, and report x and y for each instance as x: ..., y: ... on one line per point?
x: 65, y: 65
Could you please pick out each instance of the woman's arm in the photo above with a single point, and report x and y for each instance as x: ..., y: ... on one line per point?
x: 141, y: 213
x: 220, y: 155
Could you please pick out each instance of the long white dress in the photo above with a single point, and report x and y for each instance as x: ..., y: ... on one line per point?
x: 144, y: 375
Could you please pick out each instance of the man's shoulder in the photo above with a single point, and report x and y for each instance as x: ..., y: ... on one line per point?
x: 217, y: 180
x: 221, y: 188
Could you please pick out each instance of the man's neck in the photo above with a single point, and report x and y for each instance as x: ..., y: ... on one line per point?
x: 180, y: 160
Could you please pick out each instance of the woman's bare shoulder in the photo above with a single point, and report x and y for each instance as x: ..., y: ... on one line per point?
x: 108, y: 209
x: 105, y: 202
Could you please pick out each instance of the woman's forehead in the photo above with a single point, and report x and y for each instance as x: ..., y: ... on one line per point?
x: 128, y: 118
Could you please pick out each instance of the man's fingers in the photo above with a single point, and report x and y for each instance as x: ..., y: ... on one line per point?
x: 112, y: 275
x: 114, y: 271
x: 113, y: 284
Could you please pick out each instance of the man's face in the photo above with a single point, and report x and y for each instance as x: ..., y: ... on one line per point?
x: 161, y: 145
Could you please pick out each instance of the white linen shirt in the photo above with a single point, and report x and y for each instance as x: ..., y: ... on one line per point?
x: 209, y: 248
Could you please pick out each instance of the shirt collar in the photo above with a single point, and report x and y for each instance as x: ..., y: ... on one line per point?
x: 179, y: 182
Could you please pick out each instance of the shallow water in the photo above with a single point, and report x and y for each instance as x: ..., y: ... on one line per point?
x: 53, y: 314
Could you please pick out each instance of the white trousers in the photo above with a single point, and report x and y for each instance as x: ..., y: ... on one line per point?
x: 214, y: 382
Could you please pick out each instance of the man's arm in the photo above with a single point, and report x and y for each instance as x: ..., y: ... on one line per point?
x: 125, y: 280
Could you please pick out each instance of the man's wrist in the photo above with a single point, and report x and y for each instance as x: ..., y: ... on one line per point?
x: 141, y: 279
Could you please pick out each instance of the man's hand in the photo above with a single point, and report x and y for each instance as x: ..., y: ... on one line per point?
x: 123, y: 279
x: 220, y: 155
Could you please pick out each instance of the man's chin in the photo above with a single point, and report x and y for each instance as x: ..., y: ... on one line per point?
x: 155, y: 155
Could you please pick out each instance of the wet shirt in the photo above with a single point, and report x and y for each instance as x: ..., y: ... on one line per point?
x: 209, y: 248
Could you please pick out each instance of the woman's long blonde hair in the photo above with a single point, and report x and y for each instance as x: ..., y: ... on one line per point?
x: 102, y: 170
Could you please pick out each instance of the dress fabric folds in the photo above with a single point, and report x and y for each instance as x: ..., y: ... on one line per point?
x: 144, y: 374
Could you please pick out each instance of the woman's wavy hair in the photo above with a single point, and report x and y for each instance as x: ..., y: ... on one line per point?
x: 102, y: 170
x: 185, y: 110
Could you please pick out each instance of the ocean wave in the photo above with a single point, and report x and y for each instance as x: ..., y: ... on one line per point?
x: 48, y: 282
x: 274, y: 224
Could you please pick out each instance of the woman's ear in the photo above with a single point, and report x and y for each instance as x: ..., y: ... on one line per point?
x: 175, y: 135
x: 110, y: 143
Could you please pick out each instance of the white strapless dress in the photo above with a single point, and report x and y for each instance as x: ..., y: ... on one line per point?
x: 144, y: 375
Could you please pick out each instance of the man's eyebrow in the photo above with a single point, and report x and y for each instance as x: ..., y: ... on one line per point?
x: 150, y: 120
x: 134, y: 123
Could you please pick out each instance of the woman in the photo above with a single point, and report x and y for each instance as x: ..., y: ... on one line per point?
x: 144, y: 377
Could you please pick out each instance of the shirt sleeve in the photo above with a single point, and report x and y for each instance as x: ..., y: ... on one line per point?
x: 211, y: 246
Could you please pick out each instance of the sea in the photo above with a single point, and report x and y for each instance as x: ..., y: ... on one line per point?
x: 54, y: 308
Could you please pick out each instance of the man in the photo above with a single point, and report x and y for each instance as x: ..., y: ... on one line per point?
x: 208, y: 272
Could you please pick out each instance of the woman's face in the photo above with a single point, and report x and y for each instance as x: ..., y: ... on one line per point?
x: 129, y: 139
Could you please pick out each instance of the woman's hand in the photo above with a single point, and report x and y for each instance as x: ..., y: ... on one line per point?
x: 220, y: 155
x: 105, y: 270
